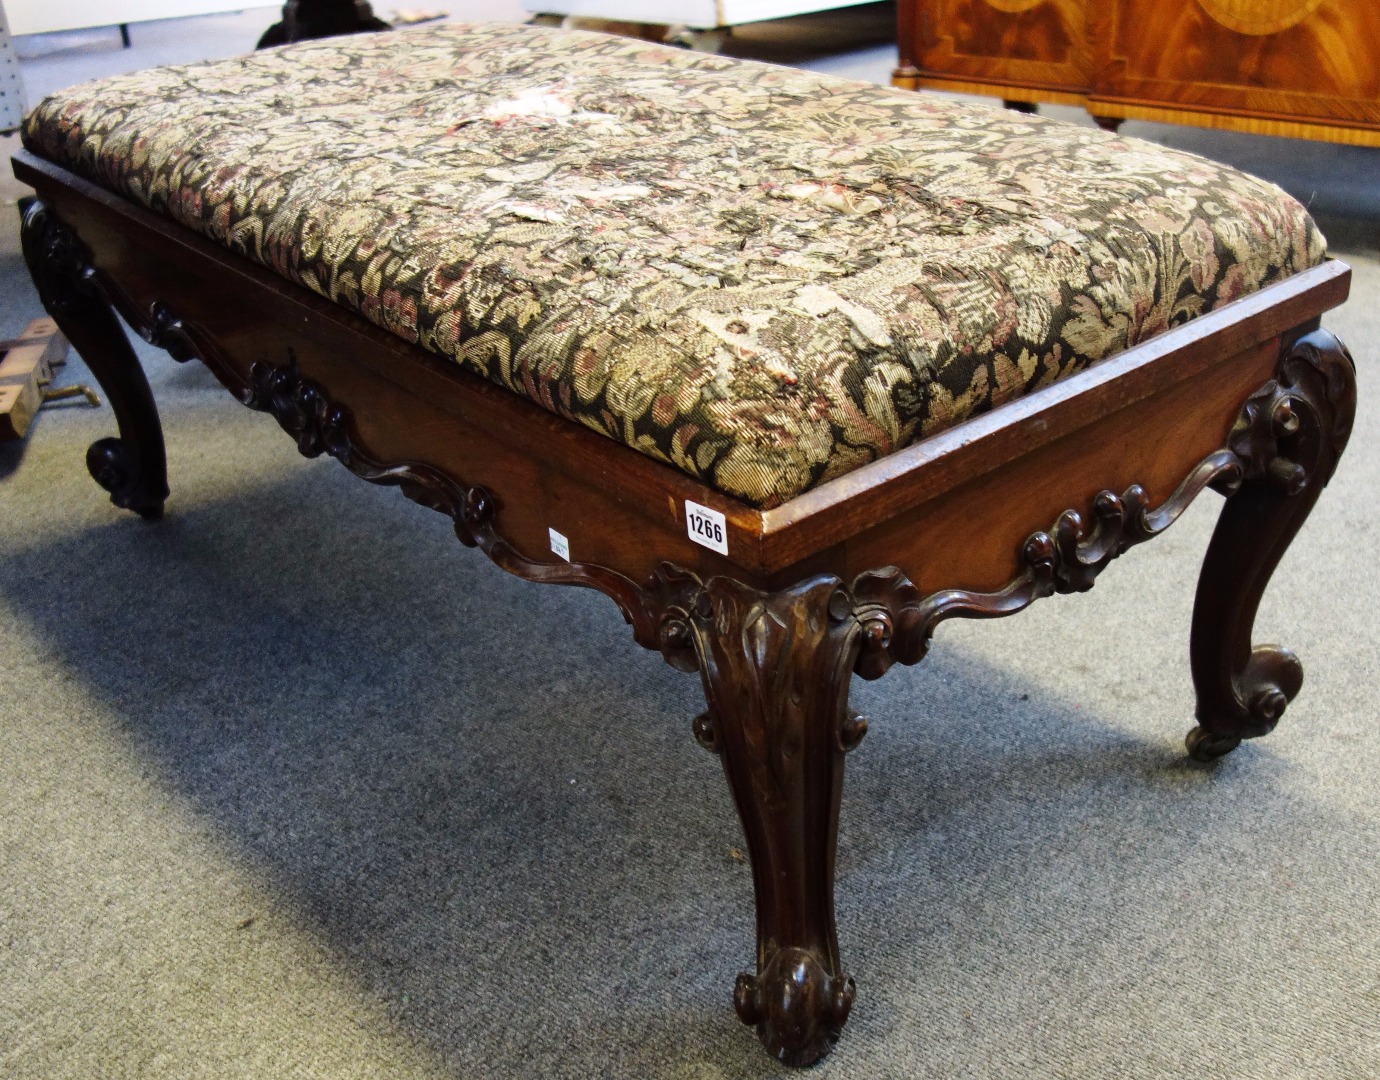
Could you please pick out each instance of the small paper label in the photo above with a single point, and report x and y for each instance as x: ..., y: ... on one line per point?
x: 560, y: 545
x: 706, y: 527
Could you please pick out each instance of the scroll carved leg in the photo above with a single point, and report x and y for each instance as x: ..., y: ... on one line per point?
x: 776, y: 670
x: 1288, y: 437
x: 133, y: 467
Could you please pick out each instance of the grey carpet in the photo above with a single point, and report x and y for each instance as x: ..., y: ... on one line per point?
x: 292, y: 785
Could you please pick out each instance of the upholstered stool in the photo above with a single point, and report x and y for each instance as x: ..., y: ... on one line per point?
x: 792, y: 368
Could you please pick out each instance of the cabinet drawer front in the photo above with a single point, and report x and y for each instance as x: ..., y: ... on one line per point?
x: 1036, y: 43
x: 1274, y: 58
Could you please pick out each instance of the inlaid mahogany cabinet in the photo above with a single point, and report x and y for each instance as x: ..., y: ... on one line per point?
x: 1301, y: 68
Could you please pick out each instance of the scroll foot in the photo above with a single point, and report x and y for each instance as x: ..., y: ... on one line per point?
x: 797, y: 1007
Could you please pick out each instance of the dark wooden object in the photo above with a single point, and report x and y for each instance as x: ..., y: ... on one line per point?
x: 1302, y: 68
x: 1034, y: 498
x: 306, y: 19
x: 133, y: 467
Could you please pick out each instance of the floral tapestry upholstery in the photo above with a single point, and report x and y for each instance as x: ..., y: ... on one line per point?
x: 762, y: 276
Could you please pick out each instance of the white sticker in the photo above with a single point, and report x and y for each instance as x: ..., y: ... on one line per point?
x: 706, y: 527
x: 560, y: 545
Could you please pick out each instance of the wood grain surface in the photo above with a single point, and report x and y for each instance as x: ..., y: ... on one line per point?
x: 1302, y: 68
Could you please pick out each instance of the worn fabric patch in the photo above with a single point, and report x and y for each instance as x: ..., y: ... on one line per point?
x: 762, y: 276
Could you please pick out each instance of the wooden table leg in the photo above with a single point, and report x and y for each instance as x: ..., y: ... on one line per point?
x: 776, y: 670
x: 133, y: 467
x: 1289, y: 436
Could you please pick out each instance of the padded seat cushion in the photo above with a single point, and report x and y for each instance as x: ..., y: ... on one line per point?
x: 762, y: 276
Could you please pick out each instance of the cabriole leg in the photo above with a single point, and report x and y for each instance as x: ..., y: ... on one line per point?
x: 776, y: 668
x: 1289, y: 436
x: 133, y: 467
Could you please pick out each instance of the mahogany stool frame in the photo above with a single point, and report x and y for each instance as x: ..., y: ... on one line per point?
x: 1032, y: 498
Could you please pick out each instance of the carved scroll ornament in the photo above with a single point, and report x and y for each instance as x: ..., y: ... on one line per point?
x: 319, y: 426
x: 895, y: 621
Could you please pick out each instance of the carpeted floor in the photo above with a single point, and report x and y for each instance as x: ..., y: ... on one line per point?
x: 292, y: 785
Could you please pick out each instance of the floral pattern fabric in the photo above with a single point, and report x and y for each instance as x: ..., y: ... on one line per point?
x: 762, y: 276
